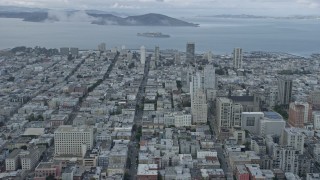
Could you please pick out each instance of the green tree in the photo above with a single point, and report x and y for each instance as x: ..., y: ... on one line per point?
x: 11, y: 79
x: 179, y: 84
x: 131, y: 65
x: 126, y: 176
x: 24, y: 147
x: 40, y: 117
x: 31, y: 117
x: 50, y: 177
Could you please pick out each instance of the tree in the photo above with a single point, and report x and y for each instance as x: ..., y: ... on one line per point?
x: 179, y: 84
x: 131, y: 65
x: 24, y: 147
x: 31, y: 117
x: 281, y: 110
x: 220, y: 72
x: 40, y: 117
x: 50, y: 177
x: 247, y: 145
x: 11, y: 79
x: 126, y: 176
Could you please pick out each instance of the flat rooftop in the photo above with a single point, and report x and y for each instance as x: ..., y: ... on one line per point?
x: 147, y: 169
x: 273, y: 116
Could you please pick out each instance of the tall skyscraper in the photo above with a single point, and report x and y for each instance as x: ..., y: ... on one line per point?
x: 185, y: 79
x: 143, y: 55
x: 69, y: 140
x: 157, y: 54
x: 195, y: 84
x: 210, y: 56
x: 199, y: 107
x: 102, y: 47
x: 177, y: 58
x: 209, y: 81
x: 209, y: 77
x: 284, y: 90
x: 237, y: 58
x: 190, y: 52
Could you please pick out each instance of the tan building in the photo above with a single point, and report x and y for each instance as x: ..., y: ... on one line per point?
x: 299, y: 114
x: 69, y: 140
x: 45, y: 169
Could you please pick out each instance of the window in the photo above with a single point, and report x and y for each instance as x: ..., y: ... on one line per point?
x: 250, y: 121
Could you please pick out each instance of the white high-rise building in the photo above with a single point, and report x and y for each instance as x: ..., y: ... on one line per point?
x: 228, y: 113
x: 177, y: 58
x: 285, y: 158
x: 209, y: 77
x: 199, y: 107
x: 224, y: 113
x: 209, y: 81
x: 157, y: 54
x: 195, y: 84
x: 316, y: 120
x: 272, y: 97
x: 293, y: 137
x: 142, y: 55
x: 237, y: 58
x: 210, y: 56
x: 69, y: 140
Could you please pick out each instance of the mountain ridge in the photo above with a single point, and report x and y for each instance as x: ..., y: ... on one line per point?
x: 95, y: 17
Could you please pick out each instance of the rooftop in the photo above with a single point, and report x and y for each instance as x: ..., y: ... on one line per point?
x: 273, y: 116
x: 147, y: 169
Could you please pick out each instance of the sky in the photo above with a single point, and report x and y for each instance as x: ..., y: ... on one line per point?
x: 181, y: 7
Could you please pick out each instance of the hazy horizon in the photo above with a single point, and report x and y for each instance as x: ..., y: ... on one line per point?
x: 180, y: 7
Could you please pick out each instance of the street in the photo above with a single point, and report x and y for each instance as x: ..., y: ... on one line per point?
x: 134, y: 145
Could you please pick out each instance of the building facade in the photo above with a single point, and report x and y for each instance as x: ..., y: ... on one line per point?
x: 237, y: 58
x: 69, y: 140
x: 284, y: 90
x: 190, y: 52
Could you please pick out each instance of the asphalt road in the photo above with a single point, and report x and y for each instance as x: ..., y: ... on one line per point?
x: 133, y: 146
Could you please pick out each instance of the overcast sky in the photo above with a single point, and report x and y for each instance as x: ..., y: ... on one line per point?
x: 182, y: 7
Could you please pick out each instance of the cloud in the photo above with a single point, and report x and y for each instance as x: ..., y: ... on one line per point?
x: 180, y: 6
x: 76, y: 16
x: 310, y: 3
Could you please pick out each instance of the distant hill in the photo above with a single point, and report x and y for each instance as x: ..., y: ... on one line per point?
x: 95, y: 17
x: 142, y: 20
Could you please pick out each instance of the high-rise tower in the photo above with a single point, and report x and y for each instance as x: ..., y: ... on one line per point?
x: 237, y: 58
x: 190, y: 57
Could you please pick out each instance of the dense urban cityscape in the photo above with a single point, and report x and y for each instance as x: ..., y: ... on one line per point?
x: 153, y: 113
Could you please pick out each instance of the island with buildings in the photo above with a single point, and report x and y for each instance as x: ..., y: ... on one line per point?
x: 153, y: 35
x: 149, y: 114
